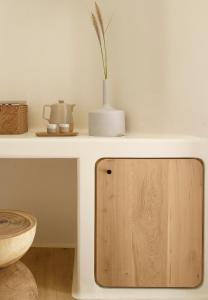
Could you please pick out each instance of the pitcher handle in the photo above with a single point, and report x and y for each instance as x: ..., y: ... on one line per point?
x: 44, y: 110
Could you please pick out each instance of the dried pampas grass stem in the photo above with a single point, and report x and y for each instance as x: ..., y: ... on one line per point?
x: 100, y: 18
x: 100, y: 30
x: 97, y: 30
x: 95, y: 24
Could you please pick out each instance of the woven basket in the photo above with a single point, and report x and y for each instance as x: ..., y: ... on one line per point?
x: 13, y: 118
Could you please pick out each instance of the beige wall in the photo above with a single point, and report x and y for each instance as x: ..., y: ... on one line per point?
x: 158, y: 67
x: 158, y: 60
x: 46, y: 189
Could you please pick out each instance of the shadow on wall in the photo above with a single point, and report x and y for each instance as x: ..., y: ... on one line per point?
x: 139, y: 62
x: 46, y: 188
x: 159, y: 65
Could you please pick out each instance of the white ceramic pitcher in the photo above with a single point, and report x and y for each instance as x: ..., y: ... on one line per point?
x: 60, y: 113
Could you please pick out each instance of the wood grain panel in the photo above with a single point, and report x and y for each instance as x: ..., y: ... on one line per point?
x: 149, y: 223
x: 53, y: 272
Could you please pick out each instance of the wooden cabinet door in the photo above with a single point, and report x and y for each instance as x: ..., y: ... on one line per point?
x: 149, y: 223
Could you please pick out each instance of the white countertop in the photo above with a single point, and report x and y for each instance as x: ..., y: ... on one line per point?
x: 131, y: 145
x: 84, y: 136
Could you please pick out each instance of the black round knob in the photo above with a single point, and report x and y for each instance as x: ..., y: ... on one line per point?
x: 109, y: 172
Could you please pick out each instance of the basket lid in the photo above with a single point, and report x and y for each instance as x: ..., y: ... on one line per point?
x: 13, y: 103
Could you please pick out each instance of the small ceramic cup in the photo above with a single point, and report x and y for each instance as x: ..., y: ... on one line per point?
x: 64, y: 128
x: 52, y: 128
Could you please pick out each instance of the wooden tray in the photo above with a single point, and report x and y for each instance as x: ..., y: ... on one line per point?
x: 45, y: 134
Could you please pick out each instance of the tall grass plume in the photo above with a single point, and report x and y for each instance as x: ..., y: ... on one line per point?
x: 101, y: 30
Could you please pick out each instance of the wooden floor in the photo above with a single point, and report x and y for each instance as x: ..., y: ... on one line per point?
x: 53, y: 271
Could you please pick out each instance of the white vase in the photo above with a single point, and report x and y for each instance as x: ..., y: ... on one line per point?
x: 107, y: 121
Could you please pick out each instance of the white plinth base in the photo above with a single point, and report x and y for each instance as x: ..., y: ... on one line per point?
x: 88, y: 151
x: 107, y: 122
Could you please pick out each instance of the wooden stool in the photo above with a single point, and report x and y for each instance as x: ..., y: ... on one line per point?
x: 17, y: 283
x: 17, y: 231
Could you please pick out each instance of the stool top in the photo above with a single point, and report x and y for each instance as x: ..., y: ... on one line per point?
x: 14, y: 223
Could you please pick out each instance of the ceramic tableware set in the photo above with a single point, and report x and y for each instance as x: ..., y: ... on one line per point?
x: 60, y: 119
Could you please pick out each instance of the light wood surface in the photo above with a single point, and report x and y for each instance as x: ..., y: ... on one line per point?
x: 13, y: 223
x: 58, y: 134
x: 149, y: 223
x: 53, y: 272
x: 17, y: 231
x: 17, y: 283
